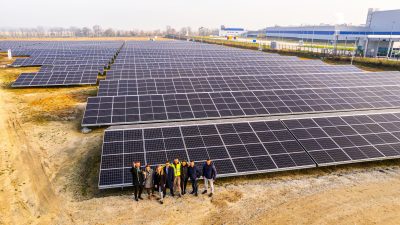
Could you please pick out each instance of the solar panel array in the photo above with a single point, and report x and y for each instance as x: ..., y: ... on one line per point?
x: 62, y: 62
x: 245, y: 83
x: 348, y: 139
x: 173, y: 98
x: 127, y: 73
x: 216, y: 105
x: 252, y: 147
x: 238, y: 148
x: 154, y: 82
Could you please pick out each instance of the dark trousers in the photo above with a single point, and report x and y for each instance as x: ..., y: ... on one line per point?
x: 194, y: 186
x: 138, y: 189
x: 184, y: 182
x: 170, y: 186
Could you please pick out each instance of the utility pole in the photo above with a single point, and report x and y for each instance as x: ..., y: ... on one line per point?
x: 390, y: 42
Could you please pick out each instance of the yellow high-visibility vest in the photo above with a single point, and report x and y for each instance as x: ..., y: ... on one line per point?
x: 177, y: 169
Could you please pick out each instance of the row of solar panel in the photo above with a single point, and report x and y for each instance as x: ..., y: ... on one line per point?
x: 252, y: 147
x: 245, y: 83
x: 119, y: 74
x: 56, y: 78
x: 133, y: 59
x: 215, y: 105
x: 63, y: 63
x: 155, y: 63
x: 178, y: 65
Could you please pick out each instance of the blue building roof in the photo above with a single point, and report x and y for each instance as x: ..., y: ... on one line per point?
x: 234, y: 29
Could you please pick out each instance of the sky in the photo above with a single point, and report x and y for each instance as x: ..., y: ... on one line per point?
x: 157, y: 14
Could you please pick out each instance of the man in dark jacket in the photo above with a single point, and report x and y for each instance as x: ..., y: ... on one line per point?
x: 169, y: 171
x: 193, y: 173
x: 184, y: 176
x: 209, y: 175
x: 137, y: 180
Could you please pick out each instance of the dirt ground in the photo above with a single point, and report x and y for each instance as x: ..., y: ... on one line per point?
x: 49, y: 174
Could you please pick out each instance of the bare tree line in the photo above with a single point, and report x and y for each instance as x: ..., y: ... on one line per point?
x: 98, y: 31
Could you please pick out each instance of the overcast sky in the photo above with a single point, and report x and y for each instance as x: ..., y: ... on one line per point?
x: 156, y: 14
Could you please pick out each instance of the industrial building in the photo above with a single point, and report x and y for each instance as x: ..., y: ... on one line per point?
x: 231, y: 32
x: 376, y: 38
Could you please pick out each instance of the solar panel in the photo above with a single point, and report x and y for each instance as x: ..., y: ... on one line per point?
x: 190, y: 65
x: 348, y: 139
x: 194, y: 106
x: 235, y: 148
x: 63, y: 62
x: 245, y: 83
x: 52, y: 68
x: 134, y: 59
x: 56, y: 78
x: 115, y: 74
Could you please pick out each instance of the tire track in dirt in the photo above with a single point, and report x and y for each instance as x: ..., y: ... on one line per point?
x: 26, y: 193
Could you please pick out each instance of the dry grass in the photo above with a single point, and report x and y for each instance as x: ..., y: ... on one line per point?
x: 44, y: 104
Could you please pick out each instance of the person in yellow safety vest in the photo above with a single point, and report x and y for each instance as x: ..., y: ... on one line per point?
x: 177, y: 179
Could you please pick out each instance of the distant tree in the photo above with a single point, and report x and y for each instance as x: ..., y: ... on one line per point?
x: 109, y: 32
x: 41, y: 32
x: 86, y: 32
x: 170, y: 30
x: 183, y: 31
x: 97, y: 30
x: 189, y: 30
x: 76, y: 31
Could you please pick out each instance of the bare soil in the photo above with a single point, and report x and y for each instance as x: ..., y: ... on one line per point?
x: 49, y: 175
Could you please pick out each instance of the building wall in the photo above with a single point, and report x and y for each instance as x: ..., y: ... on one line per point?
x: 378, y: 23
x: 232, y: 32
x: 385, y: 20
x: 316, y: 32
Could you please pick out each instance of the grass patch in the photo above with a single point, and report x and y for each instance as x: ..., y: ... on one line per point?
x: 9, y: 75
x: 339, y: 47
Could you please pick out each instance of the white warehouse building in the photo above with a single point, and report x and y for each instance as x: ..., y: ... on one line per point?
x: 380, y: 32
x: 230, y: 31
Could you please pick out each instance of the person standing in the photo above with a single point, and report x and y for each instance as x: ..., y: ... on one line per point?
x: 177, y: 176
x: 137, y: 180
x: 149, y: 181
x: 209, y: 175
x: 160, y: 180
x: 169, y: 172
x: 193, y: 173
x: 184, y: 176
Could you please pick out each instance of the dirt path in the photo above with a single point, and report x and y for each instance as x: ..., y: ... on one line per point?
x: 26, y: 189
x: 372, y: 203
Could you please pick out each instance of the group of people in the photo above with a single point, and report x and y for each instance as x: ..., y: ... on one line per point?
x: 174, y: 177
